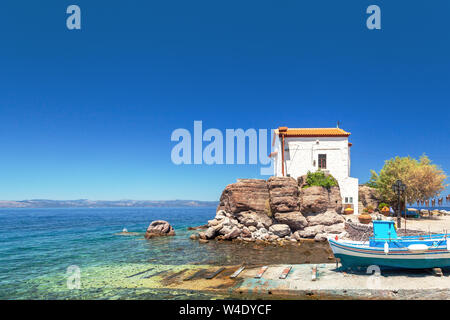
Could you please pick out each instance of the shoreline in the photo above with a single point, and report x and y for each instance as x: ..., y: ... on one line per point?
x: 331, y: 283
x: 154, y: 281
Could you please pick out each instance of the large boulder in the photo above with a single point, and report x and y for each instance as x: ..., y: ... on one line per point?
x: 251, y: 218
x: 159, y: 228
x: 212, y: 231
x: 280, y: 230
x: 225, y: 226
x: 314, y: 200
x: 309, y: 232
x: 326, y: 218
x: 320, y: 237
x: 245, y: 195
x: 283, y: 193
x: 335, y: 199
x: 261, y: 234
x: 368, y: 196
x: 318, y: 199
x: 337, y: 228
x: 295, y: 220
x: 234, y: 233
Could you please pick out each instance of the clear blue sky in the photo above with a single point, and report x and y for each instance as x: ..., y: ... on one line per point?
x: 89, y: 113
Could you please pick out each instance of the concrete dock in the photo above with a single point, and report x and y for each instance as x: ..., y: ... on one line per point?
x: 330, y: 283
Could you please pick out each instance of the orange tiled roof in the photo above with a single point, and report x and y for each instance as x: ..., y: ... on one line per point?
x: 312, y: 132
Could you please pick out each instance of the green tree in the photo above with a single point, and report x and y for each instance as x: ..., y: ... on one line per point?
x: 423, y: 179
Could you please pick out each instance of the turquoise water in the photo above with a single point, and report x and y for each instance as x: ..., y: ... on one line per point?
x: 38, y: 245
x: 42, y: 243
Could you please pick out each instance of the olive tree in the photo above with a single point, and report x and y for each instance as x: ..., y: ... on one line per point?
x: 423, y: 179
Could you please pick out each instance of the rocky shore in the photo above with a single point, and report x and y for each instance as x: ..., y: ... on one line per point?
x: 280, y: 209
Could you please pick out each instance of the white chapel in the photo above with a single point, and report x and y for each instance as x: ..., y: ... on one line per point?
x: 312, y: 149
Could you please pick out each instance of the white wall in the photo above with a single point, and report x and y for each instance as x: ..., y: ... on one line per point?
x: 349, y: 188
x: 303, y: 152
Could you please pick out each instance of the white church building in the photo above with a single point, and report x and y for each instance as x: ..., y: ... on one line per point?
x: 312, y: 149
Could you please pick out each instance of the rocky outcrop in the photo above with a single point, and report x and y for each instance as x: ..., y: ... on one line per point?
x: 245, y: 195
x: 314, y: 200
x: 318, y: 199
x: 368, y: 197
x: 276, y: 209
x: 285, y: 202
x: 159, y: 228
x: 283, y: 193
x: 335, y: 199
x: 295, y: 220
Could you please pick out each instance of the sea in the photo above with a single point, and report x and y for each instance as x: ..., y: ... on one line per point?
x: 76, y: 253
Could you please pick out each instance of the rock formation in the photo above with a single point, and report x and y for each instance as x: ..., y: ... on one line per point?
x: 368, y: 197
x: 159, y: 228
x: 279, y: 208
x: 245, y: 195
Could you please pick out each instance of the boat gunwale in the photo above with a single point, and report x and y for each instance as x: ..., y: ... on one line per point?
x: 365, y: 248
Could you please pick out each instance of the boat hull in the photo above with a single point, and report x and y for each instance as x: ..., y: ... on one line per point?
x: 352, y: 256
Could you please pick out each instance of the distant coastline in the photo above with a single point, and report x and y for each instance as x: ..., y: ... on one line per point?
x: 85, y: 203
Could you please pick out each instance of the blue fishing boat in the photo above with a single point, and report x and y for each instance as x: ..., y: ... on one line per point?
x: 387, y: 250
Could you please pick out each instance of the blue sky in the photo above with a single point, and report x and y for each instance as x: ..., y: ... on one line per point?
x: 89, y: 113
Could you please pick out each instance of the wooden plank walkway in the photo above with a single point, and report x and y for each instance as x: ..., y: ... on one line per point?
x: 196, y: 274
x: 212, y: 275
x: 285, y: 272
x: 237, y: 272
x: 261, y: 272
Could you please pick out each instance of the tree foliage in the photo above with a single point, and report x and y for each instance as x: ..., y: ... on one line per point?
x: 423, y: 179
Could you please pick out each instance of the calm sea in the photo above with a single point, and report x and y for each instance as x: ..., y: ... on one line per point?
x: 38, y: 245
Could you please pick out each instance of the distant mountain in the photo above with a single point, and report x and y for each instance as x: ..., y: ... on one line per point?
x: 84, y: 203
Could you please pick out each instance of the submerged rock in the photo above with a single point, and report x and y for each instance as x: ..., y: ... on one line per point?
x: 159, y: 228
x: 193, y: 237
x: 127, y: 233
